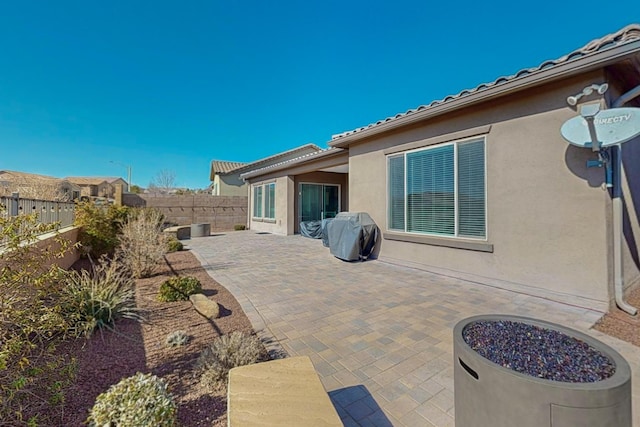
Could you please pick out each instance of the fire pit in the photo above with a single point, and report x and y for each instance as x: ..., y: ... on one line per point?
x: 512, y: 370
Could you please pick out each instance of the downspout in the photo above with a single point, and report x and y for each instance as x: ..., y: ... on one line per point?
x: 616, y: 193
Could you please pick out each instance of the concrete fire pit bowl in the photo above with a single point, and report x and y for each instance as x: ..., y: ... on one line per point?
x: 517, y: 371
x: 200, y: 230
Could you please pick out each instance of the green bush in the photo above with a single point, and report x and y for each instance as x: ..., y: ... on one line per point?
x: 94, y: 300
x: 33, y: 373
x: 177, y: 339
x: 225, y: 353
x: 174, y: 245
x: 141, y: 400
x: 179, y: 288
x: 239, y: 227
x: 100, y: 226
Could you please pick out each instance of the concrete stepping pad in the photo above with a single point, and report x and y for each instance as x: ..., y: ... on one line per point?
x: 284, y: 392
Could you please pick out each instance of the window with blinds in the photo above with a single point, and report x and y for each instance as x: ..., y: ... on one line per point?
x: 257, y: 201
x: 270, y: 201
x: 439, y: 190
x: 264, y: 201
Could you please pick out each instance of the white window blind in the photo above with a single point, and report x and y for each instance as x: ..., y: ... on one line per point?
x: 257, y: 201
x: 471, y: 190
x: 396, y: 192
x: 439, y: 190
x: 431, y: 191
x: 270, y: 201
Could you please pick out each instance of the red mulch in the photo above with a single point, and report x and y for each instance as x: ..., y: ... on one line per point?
x: 133, y: 347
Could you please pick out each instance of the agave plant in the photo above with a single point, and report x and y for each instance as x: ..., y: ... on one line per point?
x: 95, y: 299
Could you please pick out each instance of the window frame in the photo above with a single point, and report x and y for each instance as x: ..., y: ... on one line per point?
x: 439, y: 239
x: 262, y: 214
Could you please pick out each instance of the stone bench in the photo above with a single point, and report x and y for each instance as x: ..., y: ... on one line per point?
x: 283, y: 392
x: 181, y: 232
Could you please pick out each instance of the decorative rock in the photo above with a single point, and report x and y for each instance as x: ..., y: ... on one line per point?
x: 206, y: 307
x: 538, y: 352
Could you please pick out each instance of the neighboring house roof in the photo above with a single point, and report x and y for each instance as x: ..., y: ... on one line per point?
x: 91, y: 180
x: 25, y: 177
x: 292, y: 162
x: 243, y: 167
x: 221, y: 167
x: 34, y: 185
x: 586, y: 55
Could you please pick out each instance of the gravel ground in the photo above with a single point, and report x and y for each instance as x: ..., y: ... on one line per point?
x: 619, y: 324
x: 110, y: 356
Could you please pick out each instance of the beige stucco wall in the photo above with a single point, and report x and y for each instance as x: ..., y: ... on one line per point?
x: 283, y: 223
x: 49, y: 242
x: 547, y: 213
x: 230, y: 185
x: 286, y: 221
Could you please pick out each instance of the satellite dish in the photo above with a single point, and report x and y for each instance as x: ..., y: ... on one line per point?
x: 612, y: 126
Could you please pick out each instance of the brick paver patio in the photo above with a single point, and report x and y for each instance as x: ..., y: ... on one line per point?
x: 379, y: 335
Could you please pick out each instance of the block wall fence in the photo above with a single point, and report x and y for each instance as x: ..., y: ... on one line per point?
x: 222, y: 212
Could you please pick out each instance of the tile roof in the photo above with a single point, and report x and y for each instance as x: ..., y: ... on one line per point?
x: 7, y: 174
x: 227, y: 167
x: 222, y: 167
x: 627, y: 34
x: 90, y: 180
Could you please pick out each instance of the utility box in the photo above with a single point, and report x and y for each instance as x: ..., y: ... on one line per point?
x: 542, y: 374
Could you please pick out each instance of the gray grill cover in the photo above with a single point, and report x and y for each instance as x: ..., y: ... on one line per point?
x: 325, y: 232
x: 352, y: 236
x: 311, y: 229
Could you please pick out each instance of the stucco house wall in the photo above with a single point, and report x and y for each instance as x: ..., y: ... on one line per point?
x: 283, y: 222
x: 549, y: 218
x: 547, y: 214
x: 230, y: 185
x: 288, y: 177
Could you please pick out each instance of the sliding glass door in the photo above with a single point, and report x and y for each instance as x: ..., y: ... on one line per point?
x: 318, y: 201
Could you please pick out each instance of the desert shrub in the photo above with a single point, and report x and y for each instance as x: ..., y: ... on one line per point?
x: 239, y: 227
x: 100, y: 226
x: 225, y: 353
x: 141, y: 400
x: 174, y: 245
x: 177, y: 338
x: 142, y: 243
x: 95, y: 299
x: 33, y: 375
x: 179, y: 288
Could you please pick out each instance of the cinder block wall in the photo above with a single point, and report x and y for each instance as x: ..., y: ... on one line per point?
x: 222, y: 212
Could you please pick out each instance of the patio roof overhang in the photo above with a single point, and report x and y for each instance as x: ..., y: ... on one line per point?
x: 335, y: 160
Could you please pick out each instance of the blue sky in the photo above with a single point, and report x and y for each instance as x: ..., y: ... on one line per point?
x: 172, y: 85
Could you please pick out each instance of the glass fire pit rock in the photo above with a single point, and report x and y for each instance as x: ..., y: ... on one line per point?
x: 517, y: 371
